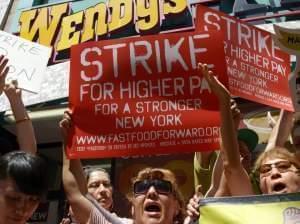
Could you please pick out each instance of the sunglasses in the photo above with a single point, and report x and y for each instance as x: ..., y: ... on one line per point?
x: 161, y: 186
x: 281, y: 166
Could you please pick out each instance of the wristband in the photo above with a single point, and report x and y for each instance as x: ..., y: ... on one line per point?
x: 22, y: 120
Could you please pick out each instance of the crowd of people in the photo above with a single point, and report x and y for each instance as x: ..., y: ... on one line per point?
x: 155, y: 196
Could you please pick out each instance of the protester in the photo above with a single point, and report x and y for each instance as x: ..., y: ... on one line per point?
x: 287, y: 177
x: 22, y: 185
x: 208, y: 167
x: 277, y: 169
x: 91, y: 196
x: 24, y: 129
x: 22, y: 174
x: 99, y: 186
x: 156, y: 197
x: 205, y: 162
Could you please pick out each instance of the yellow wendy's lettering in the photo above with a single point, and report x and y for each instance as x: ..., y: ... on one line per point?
x: 121, y: 14
x: 70, y: 33
x: 95, y: 30
x: 148, y: 15
x: 43, y: 25
x: 174, y: 6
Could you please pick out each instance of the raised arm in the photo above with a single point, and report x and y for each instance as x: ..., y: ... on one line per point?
x: 281, y: 131
x: 81, y: 206
x: 75, y: 164
x: 218, y: 181
x: 24, y: 127
x: 236, y: 176
x: 84, y: 209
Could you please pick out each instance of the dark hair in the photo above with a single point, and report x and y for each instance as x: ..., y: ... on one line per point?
x: 27, y: 171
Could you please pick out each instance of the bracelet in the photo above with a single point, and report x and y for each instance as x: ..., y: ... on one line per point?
x: 22, y: 120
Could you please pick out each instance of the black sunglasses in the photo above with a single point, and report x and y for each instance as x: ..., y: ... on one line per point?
x: 161, y: 186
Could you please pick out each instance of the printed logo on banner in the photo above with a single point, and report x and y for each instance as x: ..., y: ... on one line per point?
x: 21, y: 54
x: 257, y: 69
x: 272, y: 208
x: 291, y: 215
x: 143, y: 95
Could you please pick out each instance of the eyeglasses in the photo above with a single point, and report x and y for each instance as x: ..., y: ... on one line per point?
x: 161, y: 186
x: 281, y: 166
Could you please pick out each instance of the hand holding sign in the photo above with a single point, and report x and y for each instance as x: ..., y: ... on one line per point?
x: 193, y: 205
x: 3, y: 72
x: 21, y: 54
x: 217, y: 87
x: 66, y: 124
x: 13, y: 93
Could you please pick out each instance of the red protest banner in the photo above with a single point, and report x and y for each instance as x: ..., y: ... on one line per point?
x: 143, y: 95
x: 257, y: 69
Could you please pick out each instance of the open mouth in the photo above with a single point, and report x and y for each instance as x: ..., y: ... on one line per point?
x: 279, y: 187
x: 152, y: 207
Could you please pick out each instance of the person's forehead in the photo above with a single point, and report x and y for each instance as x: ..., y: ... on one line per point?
x: 8, y: 183
x: 273, y: 160
x: 98, y: 175
x: 8, y: 186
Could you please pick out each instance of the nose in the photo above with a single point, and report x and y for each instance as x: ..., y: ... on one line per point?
x: 275, y: 173
x: 152, y: 193
x: 21, y: 207
x: 101, y: 188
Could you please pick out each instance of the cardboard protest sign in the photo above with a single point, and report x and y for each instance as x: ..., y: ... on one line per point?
x: 55, y: 85
x: 27, y: 61
x: 143, y: 95
x: 257, y: 69
x: 288, y: 39
x: 275, y: 209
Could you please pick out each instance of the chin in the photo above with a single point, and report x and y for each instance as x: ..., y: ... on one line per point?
x: 152, y: 221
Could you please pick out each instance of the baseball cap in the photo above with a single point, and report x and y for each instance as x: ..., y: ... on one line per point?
x: 249, y: 137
